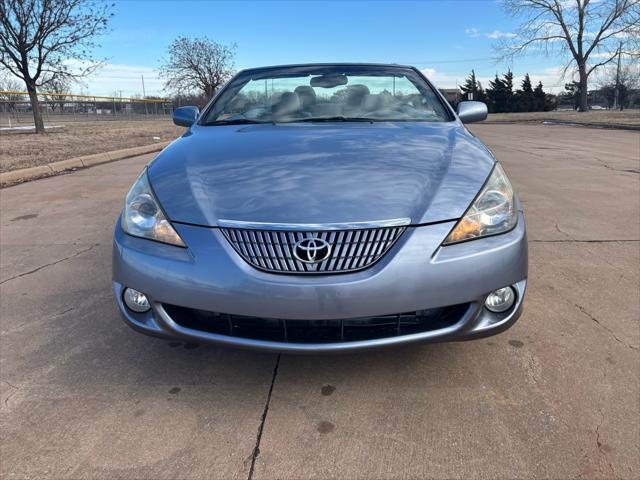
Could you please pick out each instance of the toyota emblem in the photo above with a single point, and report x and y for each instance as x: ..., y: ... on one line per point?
x: 311, y: 250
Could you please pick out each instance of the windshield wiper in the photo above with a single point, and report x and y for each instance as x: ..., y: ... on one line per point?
x: 237, y: 121
x: 246, y: 121
x: 336, y: 119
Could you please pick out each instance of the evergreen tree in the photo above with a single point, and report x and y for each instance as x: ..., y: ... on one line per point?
x: 523, y: 98
x: 496, y: 95
x: 550, y: 102
x: 527, y: 87
x: 508, y: 91
x: 472, y: 88
x: 527, y: 99
x: 482, y: 96
x: 539, y: 98
x: 573, y: 91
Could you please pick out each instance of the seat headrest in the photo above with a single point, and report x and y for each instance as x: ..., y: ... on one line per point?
x: 306, y: 94
x: 287, y: 103
x: 355, y: 94
x: 378, y: 101
x: 370, y: 102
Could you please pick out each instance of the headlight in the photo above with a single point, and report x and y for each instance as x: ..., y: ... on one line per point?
x: 492, y: 212
x: 143, y: 217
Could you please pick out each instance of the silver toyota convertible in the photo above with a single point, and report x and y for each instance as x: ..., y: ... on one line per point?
x: 322, y: 208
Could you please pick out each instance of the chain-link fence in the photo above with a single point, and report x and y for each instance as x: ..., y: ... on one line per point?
x: 15, y: 108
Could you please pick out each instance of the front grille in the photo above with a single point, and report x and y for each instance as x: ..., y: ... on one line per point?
x: 349, y: 250
x: 317, y: 331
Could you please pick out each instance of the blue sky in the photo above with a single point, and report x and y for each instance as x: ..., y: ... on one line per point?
x: 446, y: 39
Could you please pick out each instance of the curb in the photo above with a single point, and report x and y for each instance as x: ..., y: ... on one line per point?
x: 611, y: 126
x: 32, y: 173
x: 571, y: 123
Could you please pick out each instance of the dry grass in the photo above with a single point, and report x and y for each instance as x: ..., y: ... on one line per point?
x: 592, y: 117
x: 26, y: 149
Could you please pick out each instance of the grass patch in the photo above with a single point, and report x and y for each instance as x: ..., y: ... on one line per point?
x: 75, y: 139
x: 592, y: 117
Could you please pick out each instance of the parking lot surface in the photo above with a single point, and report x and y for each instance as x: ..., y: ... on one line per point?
x: 556, y: 396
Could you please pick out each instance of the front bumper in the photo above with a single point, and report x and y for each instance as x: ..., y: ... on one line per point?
x: 416, y: 274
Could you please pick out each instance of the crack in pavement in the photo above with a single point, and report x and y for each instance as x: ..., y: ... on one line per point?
x: 624, y: 170
x: 563, y: 232
x: 599, y: 444
x: 571, y: 239
x: 582, y: 309
x: 50, y: 264
x: 63, y: 312
x: 526, y: 152
x: 23, y: 325
x: 256, y: 448
x: 15, y: 390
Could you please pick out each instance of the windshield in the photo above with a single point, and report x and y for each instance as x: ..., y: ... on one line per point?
x: 329, y: 94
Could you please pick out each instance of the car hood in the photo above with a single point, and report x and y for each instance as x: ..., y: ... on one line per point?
x: 320, y: 173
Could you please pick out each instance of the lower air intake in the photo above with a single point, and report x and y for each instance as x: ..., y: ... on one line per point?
x: 317, y: 331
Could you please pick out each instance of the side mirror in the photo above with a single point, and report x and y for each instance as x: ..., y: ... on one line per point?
x: 185, y: 116
x: 469, y: 112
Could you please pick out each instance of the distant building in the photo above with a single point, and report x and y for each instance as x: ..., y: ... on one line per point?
x: 451, y: 94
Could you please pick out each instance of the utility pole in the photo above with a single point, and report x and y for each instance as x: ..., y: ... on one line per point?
x: 616, y: 98
x: 144, y: 95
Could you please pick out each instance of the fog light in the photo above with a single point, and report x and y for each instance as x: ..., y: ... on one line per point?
x: 135, y: 300
x: 500, y: 300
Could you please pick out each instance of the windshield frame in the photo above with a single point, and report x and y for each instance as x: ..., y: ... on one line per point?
x: 238, y: 81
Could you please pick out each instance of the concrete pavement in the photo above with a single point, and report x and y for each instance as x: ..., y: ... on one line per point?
x: 556, y: 396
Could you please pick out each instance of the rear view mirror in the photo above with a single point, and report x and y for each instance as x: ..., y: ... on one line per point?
x: 329, y: 81
x: 185, y: 116
x: 469, y: 112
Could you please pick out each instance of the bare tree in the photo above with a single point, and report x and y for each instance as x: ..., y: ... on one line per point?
x: 197, y: 64
x: 60, y: 87
x: 41, y: 39
x: 585, y: 32
x: 9, y: 85
x: 617, y: 85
